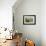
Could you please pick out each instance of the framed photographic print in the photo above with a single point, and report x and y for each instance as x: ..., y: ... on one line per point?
x: 29, y: 19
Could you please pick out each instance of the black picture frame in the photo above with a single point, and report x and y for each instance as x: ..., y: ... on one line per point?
x: 29, y: 19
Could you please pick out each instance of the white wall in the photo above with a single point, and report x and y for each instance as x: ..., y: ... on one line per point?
x: 6, y: 13
x: 43, y: 22
x: 34, y: 32
x: 28, y: 7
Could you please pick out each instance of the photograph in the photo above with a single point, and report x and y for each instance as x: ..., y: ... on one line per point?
x: 29, y: 19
